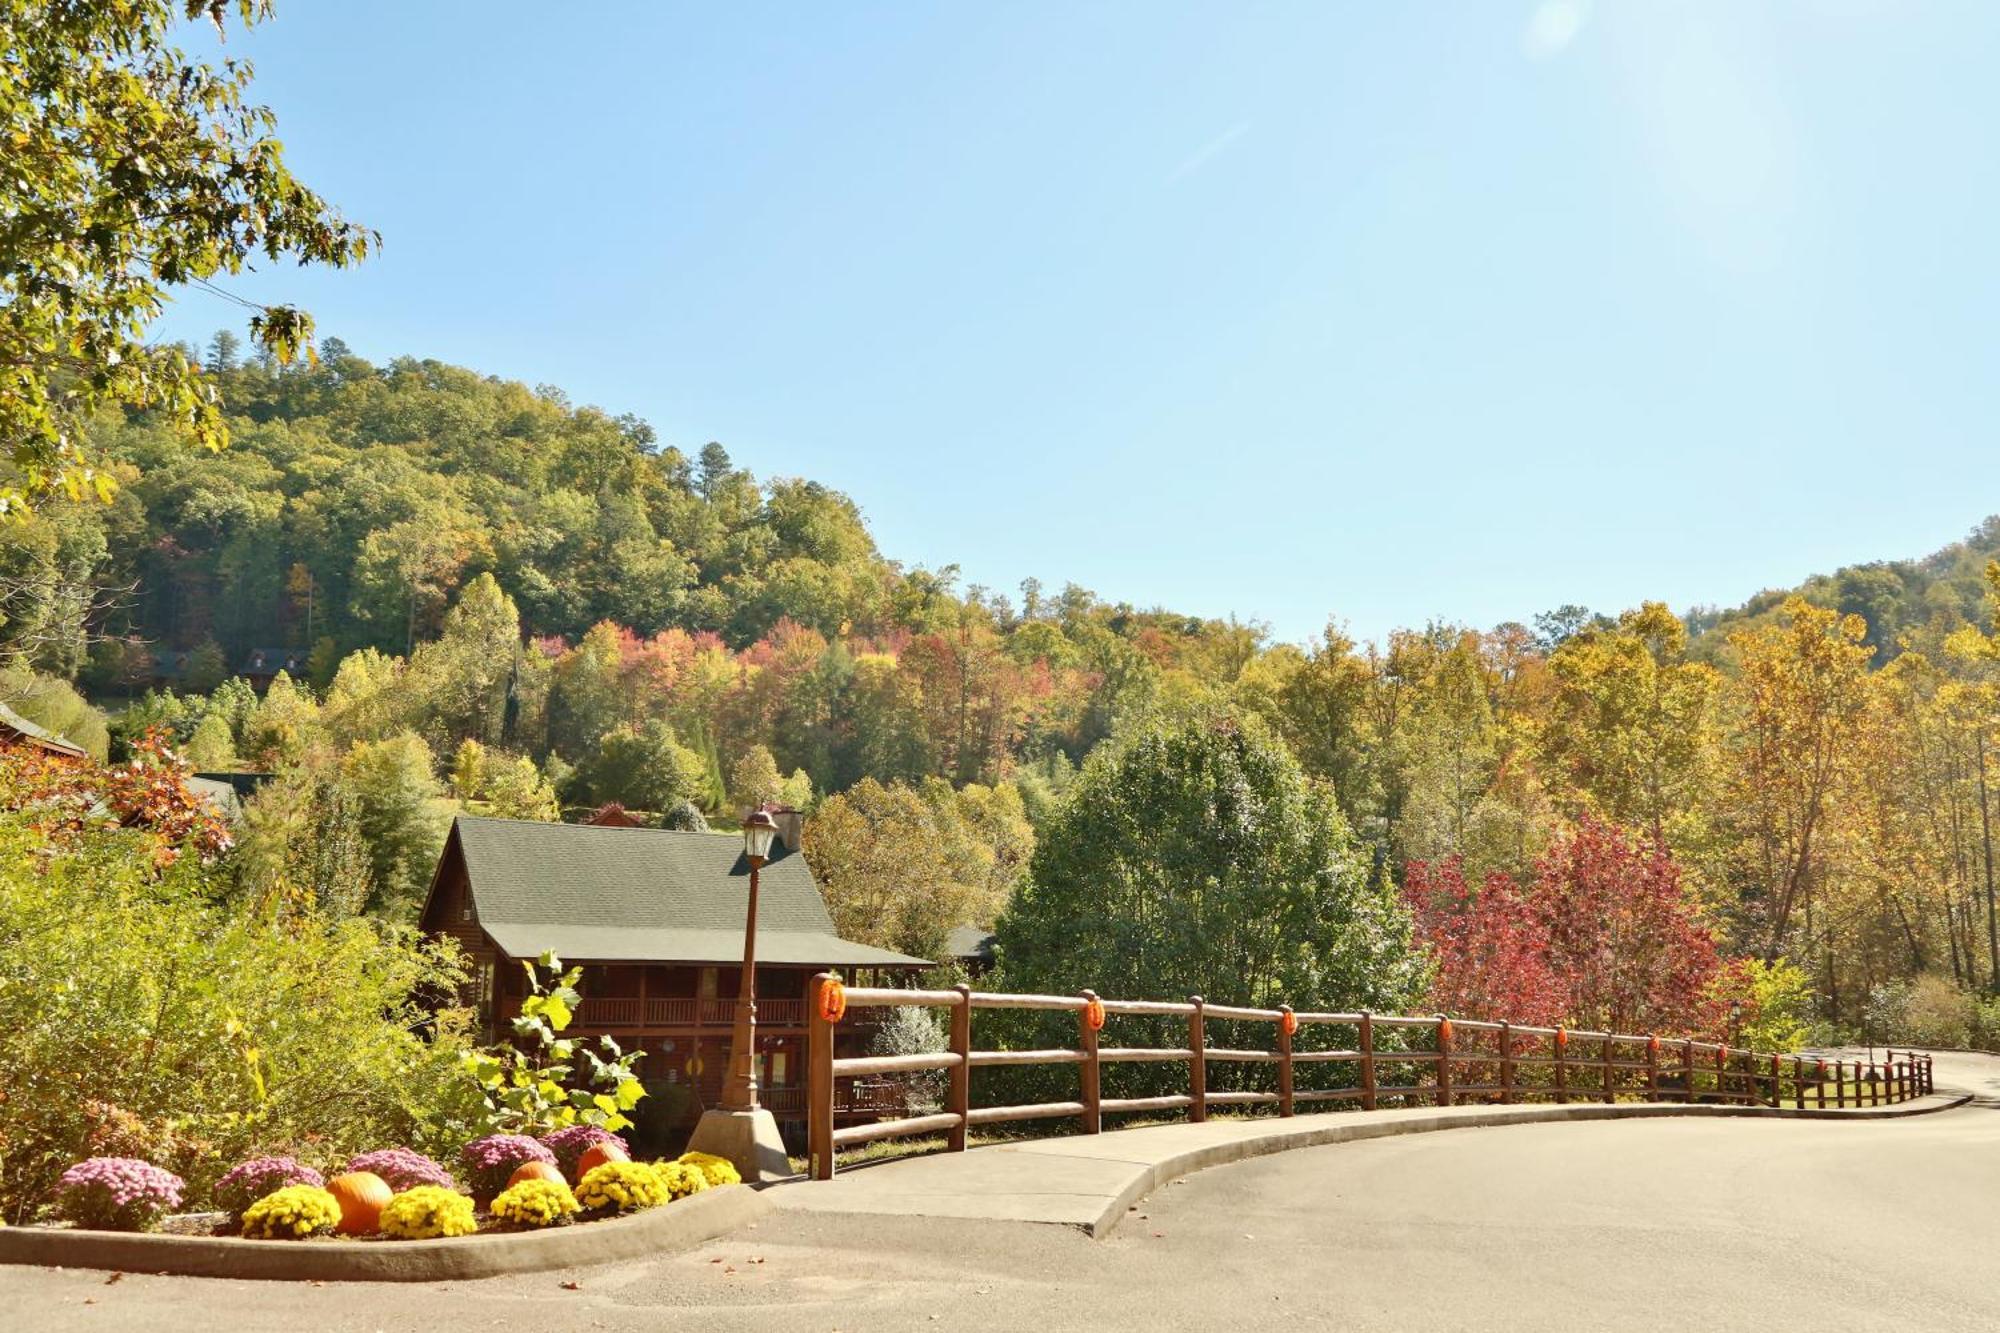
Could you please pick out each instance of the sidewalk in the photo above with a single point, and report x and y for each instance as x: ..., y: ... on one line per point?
x: 1088, y: 1181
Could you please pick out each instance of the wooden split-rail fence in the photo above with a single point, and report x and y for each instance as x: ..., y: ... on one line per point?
x: 1397, y: 1060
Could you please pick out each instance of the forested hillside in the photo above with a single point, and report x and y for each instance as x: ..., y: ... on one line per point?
x: 503, y: 601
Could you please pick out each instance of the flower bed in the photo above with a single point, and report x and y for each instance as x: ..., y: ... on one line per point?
x: 492, y: 1251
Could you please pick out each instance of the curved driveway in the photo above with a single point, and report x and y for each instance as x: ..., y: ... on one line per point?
x: 1695, y: 1224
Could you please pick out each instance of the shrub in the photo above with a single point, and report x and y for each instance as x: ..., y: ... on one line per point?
x: 163, y: 977
x: 681, y: 1179
x: 521, y: 1082
x: 117, y: 1194
x: 428, y: 1212
x: 1937, y: 1013
x: 684, y: 816
x: 250, y: 1181
x: 622, y: 1187
x: 536, y: 1203
x: 296, y: 1212
x: 717, y: 1170
x: 403, y: 1169
x: 570, y: 1144
x: 1986, y: 1024
x: 489, y: 1162
x: 909, y: 1030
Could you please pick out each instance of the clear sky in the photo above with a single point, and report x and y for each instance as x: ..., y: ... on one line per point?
x: 1379, y: 311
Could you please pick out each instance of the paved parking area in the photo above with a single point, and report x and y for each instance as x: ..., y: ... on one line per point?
x: 1701, y: 1223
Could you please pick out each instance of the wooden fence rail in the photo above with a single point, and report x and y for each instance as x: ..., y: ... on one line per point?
x: 1436, y: 1060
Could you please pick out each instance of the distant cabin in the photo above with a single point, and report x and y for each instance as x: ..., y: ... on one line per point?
x: 656, y: 919
x: 971, y: 947
x: 262, y: 665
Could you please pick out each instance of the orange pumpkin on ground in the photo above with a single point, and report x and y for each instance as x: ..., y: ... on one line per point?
x: 548, y: 1171
x: 361, y: 1195
x: 597, y: 1154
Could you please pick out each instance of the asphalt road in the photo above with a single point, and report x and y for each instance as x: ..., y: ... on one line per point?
x: 1637, y: 1224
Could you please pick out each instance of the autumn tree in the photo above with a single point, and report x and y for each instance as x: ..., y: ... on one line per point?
x: 904, y: 865
x: 1798, y: 699
x: 1631, y: 727
x: 132, y: 170
x: 1627, y: 939
x: 1489, y: 947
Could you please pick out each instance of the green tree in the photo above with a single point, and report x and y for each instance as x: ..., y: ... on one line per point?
x: 641, y: 768
x: 403, y: 815
x: 513, y: 788
x: 1199, y: 859
x: 212, y: 748
x: 132, y: 170
x: 304, y: 852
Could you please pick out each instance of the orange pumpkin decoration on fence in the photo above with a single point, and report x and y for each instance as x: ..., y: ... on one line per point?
x: 548, y: 1171
x: 361, y: 1195
x: 832, y: 1001
x: 597, y: 1154
x: 1093, y: 1014
x: 1289, y: 1023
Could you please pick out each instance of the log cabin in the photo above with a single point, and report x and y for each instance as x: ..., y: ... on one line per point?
x: 655, y: 919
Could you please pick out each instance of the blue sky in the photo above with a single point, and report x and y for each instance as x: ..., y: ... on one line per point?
x: 1382, y: 312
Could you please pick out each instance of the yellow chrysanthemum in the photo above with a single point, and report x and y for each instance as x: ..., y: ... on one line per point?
x: 536, y: 1203
x: 621, y: 1187
x: 292, y: 1213
x: 426, y: 1213
x: 716, y: 1170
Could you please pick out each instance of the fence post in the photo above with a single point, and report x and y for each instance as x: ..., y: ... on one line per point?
x: 1819, y: 1084
x: 1093, y: 1088
x: 1444, y: 1061
x: 1197, y: 1063
x: 1652, y: 1067
x: 1840, y: 1083
x: 1285, y: 1060
x: 1776, y: 1079
x: 819, y: 1082
x: 1561, y: 1040
x: 1722, y: 1073
x: 1604, y: 1053
x: 1798, y: 1084
x: 1687, y: 1069
x: 961, y: 1073
x: 1367, y: 1062
x: 1506, y: 1065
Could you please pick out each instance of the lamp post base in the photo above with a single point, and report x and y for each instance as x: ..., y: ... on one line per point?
x: 750, y: 1139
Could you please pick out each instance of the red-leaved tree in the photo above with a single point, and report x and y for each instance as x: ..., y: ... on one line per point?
x: 1490, y: 949
x: 1605, y: 937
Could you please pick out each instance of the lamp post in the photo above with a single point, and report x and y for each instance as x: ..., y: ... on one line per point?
x: 739, y: 1129
x: 739, y: 1091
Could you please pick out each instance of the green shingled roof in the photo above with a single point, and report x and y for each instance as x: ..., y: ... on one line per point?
x: 12, y: 723
x: 645, y: 895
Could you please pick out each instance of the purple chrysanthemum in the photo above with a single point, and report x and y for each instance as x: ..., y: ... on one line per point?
x: 117, y: 1194
x: 491, y: 1160
x: 251, y: 1181
x: 403, y: 1169
x: 569, y: 1145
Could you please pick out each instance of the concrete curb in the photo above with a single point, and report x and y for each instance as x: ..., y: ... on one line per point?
x: 676, y: 1226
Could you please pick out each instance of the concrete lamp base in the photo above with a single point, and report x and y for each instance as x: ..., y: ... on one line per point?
x: 748, y: 1138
